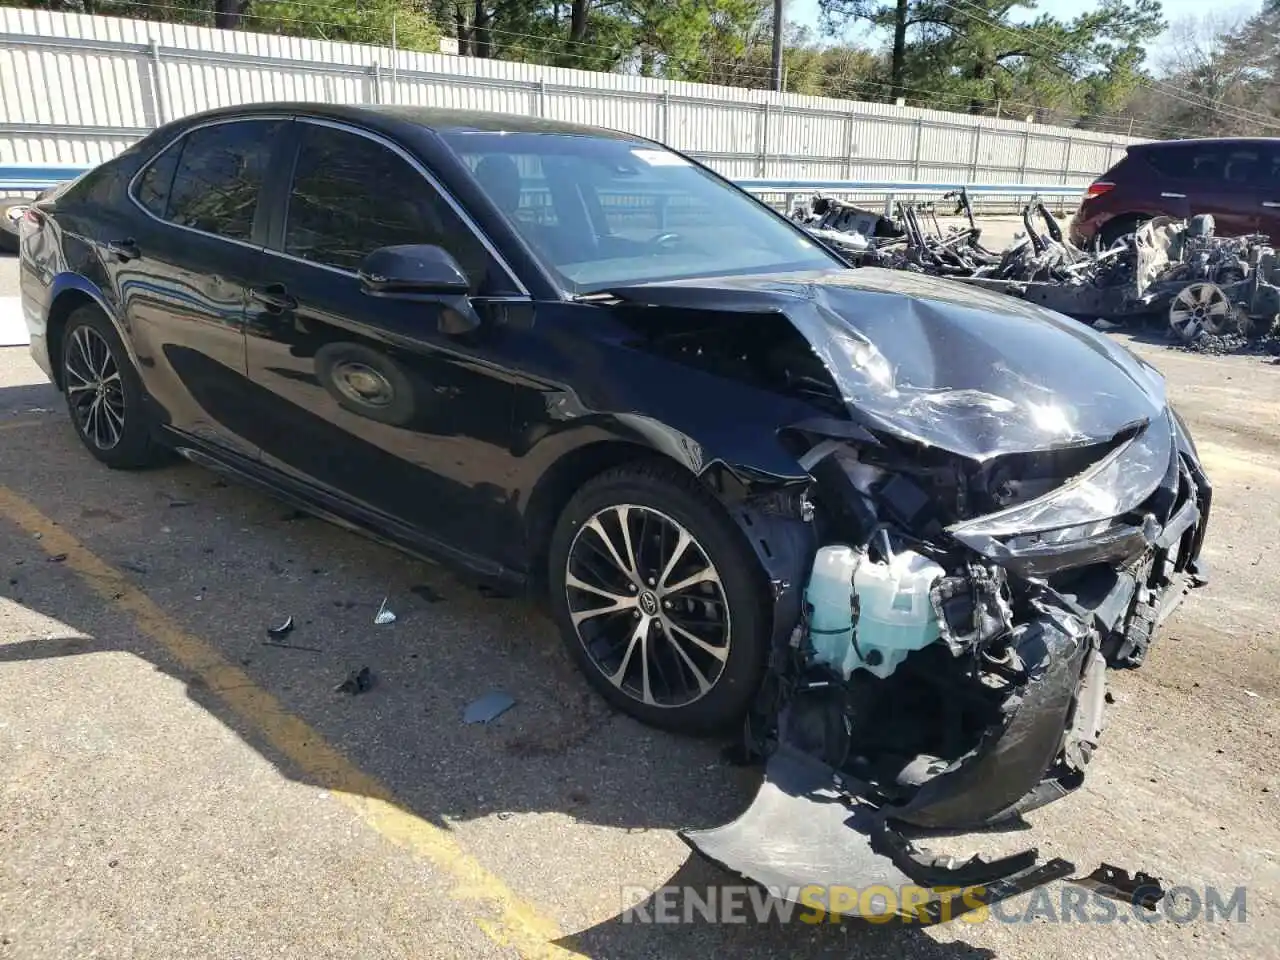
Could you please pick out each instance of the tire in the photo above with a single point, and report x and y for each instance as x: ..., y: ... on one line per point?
x: 1113, y: 230
x: 659, y: 501
x: 119, y: 434
x: 9, y: 237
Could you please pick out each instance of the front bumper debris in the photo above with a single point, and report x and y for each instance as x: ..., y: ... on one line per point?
x: 805, y: 843
x: 998, y: 716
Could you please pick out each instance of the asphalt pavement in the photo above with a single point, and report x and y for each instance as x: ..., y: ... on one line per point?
x: 177, y: 783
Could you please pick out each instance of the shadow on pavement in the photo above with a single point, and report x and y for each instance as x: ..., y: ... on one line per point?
x: 227, y: 563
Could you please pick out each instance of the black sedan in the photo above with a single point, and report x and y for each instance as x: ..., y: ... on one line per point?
x: 896, y: 525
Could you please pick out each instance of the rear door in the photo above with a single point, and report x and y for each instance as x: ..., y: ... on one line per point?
x: 183, y: 276
x: 369, y: 402
x: 1246, y: 170
x: 1212, y: 177
x: 1268, y: 194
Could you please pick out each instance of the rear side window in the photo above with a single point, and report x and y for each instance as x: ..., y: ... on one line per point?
x: 351, y: 195
x: 1177, y: 162
x: 154, y: 184
x: 1239, y: 164
x: 209, y: 180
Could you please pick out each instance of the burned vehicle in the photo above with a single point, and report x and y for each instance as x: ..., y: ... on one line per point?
x: 890, y: 526
x: 913, y: 240
x: 1176, y: 269
x: 1201, y: 282
x: 852, y: 230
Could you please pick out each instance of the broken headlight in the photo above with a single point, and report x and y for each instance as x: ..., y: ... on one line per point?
x: 1118, y: 483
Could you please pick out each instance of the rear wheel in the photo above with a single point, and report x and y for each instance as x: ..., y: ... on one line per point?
x: 104, y: 394
x: 659, y: 599
x: 1200, y: 307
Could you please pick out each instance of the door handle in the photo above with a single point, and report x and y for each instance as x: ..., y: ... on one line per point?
x: 124, y: 250
x: 274, y: 297
x: 1270, y: 203
x: 1174, y: 196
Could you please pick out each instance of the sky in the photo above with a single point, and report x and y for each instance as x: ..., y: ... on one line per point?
x: 806, y: 11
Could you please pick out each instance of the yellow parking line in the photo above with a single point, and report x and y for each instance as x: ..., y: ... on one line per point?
x: 492, y: 906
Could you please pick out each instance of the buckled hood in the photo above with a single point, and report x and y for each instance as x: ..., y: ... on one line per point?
x: 975, y: 373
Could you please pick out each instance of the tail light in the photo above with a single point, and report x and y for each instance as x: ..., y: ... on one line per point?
x: 1098, y: 188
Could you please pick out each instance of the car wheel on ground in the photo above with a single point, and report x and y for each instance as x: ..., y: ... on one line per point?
x: 659, y: 599
x: 11, y: 213
x: 104, y: 394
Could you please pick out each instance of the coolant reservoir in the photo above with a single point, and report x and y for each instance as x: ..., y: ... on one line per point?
x: 894, y: 612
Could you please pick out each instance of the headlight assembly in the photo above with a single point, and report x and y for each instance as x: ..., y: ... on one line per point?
x: 1118, y: 483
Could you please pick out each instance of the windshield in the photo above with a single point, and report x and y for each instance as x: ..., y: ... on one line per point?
x: 603, y: 213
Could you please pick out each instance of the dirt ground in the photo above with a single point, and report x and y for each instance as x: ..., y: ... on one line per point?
x: 171, y: 785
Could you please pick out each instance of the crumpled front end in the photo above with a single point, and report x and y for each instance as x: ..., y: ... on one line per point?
x: 996, y: 504
x: 962, y: 683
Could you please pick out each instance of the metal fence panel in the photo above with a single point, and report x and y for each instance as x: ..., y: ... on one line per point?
x: 77, y: 88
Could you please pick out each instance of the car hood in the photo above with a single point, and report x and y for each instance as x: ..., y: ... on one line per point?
x: 975, y: 373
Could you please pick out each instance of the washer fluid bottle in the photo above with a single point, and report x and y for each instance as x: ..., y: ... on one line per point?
x: 894, y: 615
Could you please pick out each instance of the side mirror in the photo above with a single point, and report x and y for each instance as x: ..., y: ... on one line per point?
x: 422, y: 272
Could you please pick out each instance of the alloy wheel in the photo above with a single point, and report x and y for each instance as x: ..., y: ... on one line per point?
x: 1200, y: 306
x: 94, y: 388
x: 648, y: 605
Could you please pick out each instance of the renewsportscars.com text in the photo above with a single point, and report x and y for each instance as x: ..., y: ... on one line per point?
x: 1065, y: 903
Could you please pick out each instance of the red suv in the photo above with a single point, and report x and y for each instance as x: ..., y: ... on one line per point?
x: 1237, y: 180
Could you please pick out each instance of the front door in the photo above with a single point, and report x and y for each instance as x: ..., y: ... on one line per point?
x: 369, y: 401
x: 183, y: 273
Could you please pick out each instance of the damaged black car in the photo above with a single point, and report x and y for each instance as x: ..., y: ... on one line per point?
x: 889, y: 527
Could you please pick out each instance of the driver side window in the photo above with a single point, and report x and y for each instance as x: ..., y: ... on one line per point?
x: 351, y: 195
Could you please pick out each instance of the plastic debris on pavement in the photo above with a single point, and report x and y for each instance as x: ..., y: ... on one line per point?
x: 489, y: 707
x: 385, y: 614
x: 283, y: 630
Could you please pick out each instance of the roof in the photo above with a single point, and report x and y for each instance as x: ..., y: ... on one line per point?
x: 426, y: 118
x: 1216, y: 141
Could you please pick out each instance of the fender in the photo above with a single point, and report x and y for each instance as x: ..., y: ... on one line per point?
x: 68, y: 281
x: 764, y: 506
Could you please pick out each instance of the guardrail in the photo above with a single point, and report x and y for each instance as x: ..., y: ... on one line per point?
x: 891, y: 189
x: 35, y: 177
x: 767, y: 185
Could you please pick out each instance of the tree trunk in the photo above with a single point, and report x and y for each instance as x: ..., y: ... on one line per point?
x: 226, y: 13
x: 481, y: 38
x: 980, y: 72
x: 578, y: 23
x: 898, y: 62
x: 462, y: 30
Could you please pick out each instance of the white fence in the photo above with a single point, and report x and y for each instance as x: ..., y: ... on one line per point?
x: 77, y: 89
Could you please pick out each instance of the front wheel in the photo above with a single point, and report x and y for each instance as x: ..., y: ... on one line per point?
x: 659, y: 599
x: 104, y: 394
